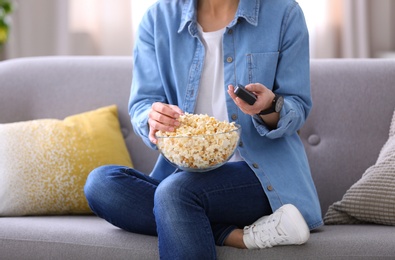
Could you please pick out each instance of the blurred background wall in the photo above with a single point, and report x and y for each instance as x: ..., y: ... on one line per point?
x: 351, y: 28
x: 338, y: 28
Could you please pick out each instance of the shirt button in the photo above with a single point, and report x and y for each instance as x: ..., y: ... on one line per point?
x: 230, y: 31
x: 234, y: 117
x: 270, y: 188
x: 255, y: 165
x: 229, y: 59
x: 241, y: 144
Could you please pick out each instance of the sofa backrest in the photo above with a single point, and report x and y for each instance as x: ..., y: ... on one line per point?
x: 56, y: 87
x: 353, y: 103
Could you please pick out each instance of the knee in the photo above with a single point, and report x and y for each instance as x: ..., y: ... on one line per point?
x: 172, y: 191
x: 175, y: 198
x: 164, y: 191
x: 95, y: 180
x: 98, y: 184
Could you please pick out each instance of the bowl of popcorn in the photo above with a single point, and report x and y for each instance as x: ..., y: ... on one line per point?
x: 201, y: 143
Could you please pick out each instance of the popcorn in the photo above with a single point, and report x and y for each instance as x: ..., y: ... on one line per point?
x: 200, y: 142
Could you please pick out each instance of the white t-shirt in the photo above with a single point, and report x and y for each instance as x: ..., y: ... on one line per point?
x: 211, y: 98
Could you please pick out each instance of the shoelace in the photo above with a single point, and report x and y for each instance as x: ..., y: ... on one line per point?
x: 270, y: 235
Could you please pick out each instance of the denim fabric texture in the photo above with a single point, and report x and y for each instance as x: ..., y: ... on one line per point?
x: 266, y: 42
x: 192, y: 212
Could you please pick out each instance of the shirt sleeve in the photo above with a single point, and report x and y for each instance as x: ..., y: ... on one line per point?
x: 292, y: 77
x: 146, y: 83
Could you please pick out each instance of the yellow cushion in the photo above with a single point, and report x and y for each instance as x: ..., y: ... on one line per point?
x: 44, y: 163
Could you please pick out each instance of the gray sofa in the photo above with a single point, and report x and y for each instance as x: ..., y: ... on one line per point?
x: 353, y: 104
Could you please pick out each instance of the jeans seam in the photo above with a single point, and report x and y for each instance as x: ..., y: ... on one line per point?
x: 206, y: 193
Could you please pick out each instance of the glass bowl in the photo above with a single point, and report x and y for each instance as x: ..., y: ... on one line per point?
x: 199, y: 153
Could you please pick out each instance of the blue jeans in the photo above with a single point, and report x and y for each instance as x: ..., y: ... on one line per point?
x: 190, y: 212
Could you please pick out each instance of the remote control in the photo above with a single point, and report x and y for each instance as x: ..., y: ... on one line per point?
x: 244, y: 94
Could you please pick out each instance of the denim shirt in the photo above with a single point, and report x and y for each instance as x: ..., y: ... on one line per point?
x: 266, y: 42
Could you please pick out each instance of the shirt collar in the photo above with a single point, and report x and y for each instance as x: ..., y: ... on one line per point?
x: 248, y: 10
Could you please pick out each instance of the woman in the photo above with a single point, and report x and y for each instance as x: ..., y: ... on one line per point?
x: 189, y: 56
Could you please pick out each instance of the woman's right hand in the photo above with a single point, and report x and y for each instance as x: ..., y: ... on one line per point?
x: 163, y: 117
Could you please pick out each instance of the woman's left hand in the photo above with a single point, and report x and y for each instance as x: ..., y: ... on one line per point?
x: 264, y: 98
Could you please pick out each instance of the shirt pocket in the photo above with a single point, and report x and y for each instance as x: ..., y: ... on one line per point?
x: 262, y: 68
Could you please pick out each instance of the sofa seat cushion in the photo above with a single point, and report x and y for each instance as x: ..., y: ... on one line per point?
x: 89, y: 237
x: 71, y: 237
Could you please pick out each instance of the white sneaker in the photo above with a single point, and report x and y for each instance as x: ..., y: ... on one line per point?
x: 286, y: 226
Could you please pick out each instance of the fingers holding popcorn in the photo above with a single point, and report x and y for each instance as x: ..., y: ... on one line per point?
x: 163, y: 117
